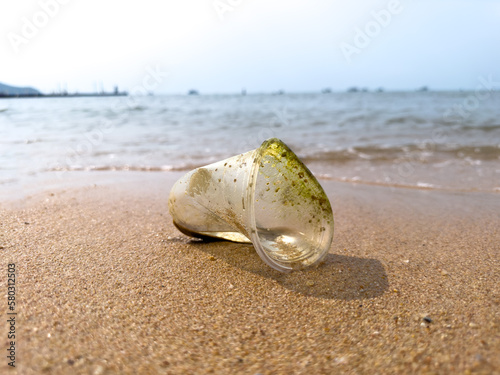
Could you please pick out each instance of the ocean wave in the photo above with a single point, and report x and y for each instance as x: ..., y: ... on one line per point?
x: 417, y: 185
x: 484, y: 128
x: 363, y: 177
x: 126, y: 167
x: 405, y: 120
x: 137, y: 108
x: 418, y: 152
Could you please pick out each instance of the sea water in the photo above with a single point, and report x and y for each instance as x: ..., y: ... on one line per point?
x: 432, y: 140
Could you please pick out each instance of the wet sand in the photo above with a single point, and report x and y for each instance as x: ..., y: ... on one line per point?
x: 107, y: 285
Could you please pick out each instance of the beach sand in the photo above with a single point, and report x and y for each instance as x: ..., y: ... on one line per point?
x: 107, y: 285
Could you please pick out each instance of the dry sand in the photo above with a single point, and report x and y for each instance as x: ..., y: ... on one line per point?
x: 107, y: 285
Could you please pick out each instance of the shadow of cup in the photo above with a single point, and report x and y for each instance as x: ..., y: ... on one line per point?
x: 337, y: 277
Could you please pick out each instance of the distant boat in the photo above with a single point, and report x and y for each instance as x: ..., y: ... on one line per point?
x: 327, y: 91
x: 352, y: 89
x: 193, y: 92
x: 423, y: 89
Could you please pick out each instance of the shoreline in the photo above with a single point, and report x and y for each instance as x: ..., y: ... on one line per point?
x: 108, y: 285
x: 17, y: 191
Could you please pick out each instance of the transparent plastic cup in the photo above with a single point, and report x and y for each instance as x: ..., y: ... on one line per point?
x: 266, y: 197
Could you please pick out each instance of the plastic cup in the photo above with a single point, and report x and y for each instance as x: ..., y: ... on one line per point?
x: 267, y: 197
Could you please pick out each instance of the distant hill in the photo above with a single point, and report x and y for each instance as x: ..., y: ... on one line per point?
x: 6, y: 90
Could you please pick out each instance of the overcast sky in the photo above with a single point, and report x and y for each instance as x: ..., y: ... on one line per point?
x: 170, y: 46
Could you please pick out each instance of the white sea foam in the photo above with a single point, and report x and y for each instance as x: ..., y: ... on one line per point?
x: 425, y: 185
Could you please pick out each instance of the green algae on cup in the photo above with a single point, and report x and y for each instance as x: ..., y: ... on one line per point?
x: 266, y: 197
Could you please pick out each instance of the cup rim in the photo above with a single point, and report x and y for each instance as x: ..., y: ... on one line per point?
x: 253, y: 232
